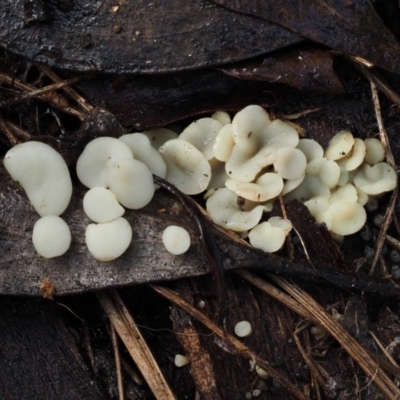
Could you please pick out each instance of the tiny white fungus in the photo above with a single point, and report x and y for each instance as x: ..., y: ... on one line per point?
x: 187, y: 168
x: 375, y: 151
x: 131, y: 182
x: 43, y: 174
x: 267, y: 237
x: 181, y: 360
x: 99, y: 154
x: 176, y: 239
x: 109, y: 240
x: 339, y: 146
x: 101, y: 205
x: 143, y: 151
x: 243, y: 329
x: 159, y: 136
x: 51, y: 236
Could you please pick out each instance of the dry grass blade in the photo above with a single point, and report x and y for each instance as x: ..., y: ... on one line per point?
x: 117, y: 357
x: 71, y: 92
x: 353, y: 348
x: 130, y: 335
x: 231, y: 340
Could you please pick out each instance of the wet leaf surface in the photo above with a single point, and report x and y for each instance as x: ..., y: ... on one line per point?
x: 350, y: 26
x: 138, y: 36
x: 305, y: 69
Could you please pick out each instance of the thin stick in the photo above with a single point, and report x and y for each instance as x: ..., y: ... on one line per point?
x: 231, y: 340
x: 71, y: 92
x: 137, y: 347
x: 117, y: 357
x: 353, y: 348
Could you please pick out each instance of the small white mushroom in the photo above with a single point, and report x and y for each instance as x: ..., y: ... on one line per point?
x: 318, y: 206
x: 222, y: 117
x: 256, y: 139
x: 224, y: 211
x: 344, y: 193
x: 375, y: 151
x: 93, y: 164
x: 267, y: 237
x: 201, y: 134
x: 158, y: 137
x: 187, y: 168
x: 110, y: 240
x: 267, y: 186
x: 43, y: 174
x: 143, y: 151
x: 311, y: 149
x: 291, y: 184
x: 290, y: 163
x: 131, y: 182
x: 243, y: 329
x: 311, y: 187
x: 339, y: 146
x: 176, y: 239
x: 51, y: 236
x: 101, y: 205
x: 279, y: 222
x: 181, y: 360
x: 224, y: 143
x: 327, y: 171
x: 376, y: 179
x: 355, y: 158
x: 346, y: 218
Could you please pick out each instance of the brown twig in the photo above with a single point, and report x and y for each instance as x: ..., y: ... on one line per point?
x: 137, y: 347
x: 231, y: 340
x: 117, y: 357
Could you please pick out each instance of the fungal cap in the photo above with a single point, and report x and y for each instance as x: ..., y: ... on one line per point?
x: 95, y: 160
x: 376, y: 179
x: 290, y: 163
x: 131, y: 182
x: 346, y: 218
x: 339, y: 146
x: 243, y: 329
x: 51, y: 236
x: 109, y: 240
x: 375, y: 151
x: 176, y: 240
x: 101, y: 205
x: 143, y: 151
x: 224, y: 143
x: 265, y: 188
x: 267, y: 237
x: 181, y: 360
x: 201, y: 134
x: 159, y: 136
x: 224, y: 211
x: 49, y: 189
x: 187, y: 168
x: 355, y: 158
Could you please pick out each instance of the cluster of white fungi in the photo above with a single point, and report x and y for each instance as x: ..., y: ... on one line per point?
x: 242, y: 165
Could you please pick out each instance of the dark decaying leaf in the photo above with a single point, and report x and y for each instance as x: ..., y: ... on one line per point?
x: 23, y: 271
x: 145, y: 102
x: 306, y: 69
x: 350, y: 26
x: 137, y: 36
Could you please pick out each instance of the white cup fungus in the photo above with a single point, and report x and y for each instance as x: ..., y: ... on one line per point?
x: 201, y: 134
x: 222, y: 117
x: 176, y: 240
x: 131, y: 182
x: 256, y: 139
x: 108, y: 241
x: 267, y: 237
x: 224, y: 211
x: 99, y: 154
x: 43, y: 174
x: 101, y: 205
x: 339, y: 146
x: 51, y: 236
x: 375, y: 151
x: 181, y: 360
x: 143, y: 151
x: 159, y: 136
x: 187, y: 168
x: 224, y: 143
x: 376, y: 179
x: 243, y: 329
